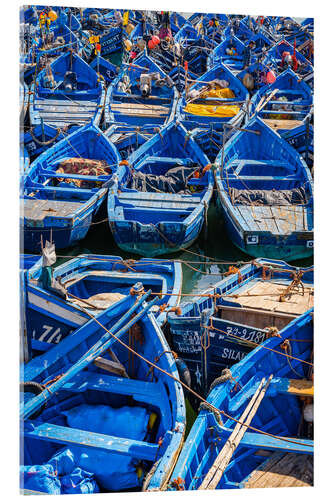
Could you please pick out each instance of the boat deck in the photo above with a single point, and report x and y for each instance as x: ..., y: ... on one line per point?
x: 138, y: 109
x: 283, y: 470
x: 266, y: 296
x: 161, y: 201
x: 39, y: 209
x: 60, y: 112
x: 278, y: 219
x: 282, y: 124
x: 261, y: 306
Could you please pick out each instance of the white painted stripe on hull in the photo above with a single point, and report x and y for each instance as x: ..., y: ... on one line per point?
x: 61, y: 312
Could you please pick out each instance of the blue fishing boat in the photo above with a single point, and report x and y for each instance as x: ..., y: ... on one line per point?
x: 162, y: 205
x: 254, y: 77
x: 68, y: 91
x: 56, y: 41
x: 209, y: 140
x: 111, y: 41
x: 90, y: 284
x: 127, y: 138
x: 308, y: 23
x: 283, y: 54
x: 181, y: 78
x: 142, y: 94
x: 66, y: 187
x: 230, y: 52
x: 39, y: 138
x: 142, y: 28
x: 194, y: 48
x: 187, y: 34
x: 217, y: 328
x: 274, y: 394
x: 284, y: 105
x: 302, y: 140
x: 217, y: 97
x: 264, y: 191
x: 95, y: 387
x: 105, y: 68
x: 24, y: 101
x: 240, y: 30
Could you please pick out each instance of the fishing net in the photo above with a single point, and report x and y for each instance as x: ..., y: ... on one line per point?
x: 296, y: 196
x: 174, y: 181
x: 82, y: 166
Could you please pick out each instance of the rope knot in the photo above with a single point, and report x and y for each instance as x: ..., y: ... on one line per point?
x: 285, y: 346
x: 272, y: 331
x: 178, y: 483
x: 206, y: 406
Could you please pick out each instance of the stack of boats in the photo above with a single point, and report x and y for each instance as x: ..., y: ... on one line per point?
x: 138, y: 121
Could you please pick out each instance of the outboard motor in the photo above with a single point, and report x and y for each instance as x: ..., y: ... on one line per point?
x: 145, y: 85
x: 70, y: 81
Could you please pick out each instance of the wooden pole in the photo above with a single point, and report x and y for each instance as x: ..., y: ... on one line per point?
x: 215, y: 473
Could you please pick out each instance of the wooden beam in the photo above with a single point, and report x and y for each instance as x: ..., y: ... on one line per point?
x: 111, y: 366
x: 215, y: 473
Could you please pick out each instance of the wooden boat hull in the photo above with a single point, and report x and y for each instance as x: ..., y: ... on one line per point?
x: 49, y: 207
x: 157, y: 223
x: 133, y: 236
x: 65, y: 231
x: 290, y: 248
x: 50, y: 318
x: 191, y: 120
x: 235, y: 324
x: 131, y: 107
x: 266, y: 228
x: 279, y: 414
x: 163, y: 396
x: 60, y: 107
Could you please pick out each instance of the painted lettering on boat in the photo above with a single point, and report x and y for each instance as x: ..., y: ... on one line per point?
x: 232, y: 354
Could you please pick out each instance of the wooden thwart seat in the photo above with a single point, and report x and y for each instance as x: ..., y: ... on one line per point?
x: 67, y: 436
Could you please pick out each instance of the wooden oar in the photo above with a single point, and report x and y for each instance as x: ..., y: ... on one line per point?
x: 259, y: 108
x: 215, y: 473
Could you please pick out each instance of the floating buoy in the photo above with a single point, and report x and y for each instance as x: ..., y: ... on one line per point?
x: 151, y: 45
x: 128, y: 45
x: 141, y: 44
x: 248, y: 81
x: 129, y: 28
x: 270, y: 77
x: 155, y: 39
x: 52, y: 15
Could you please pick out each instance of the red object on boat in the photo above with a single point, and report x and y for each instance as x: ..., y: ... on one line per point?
x: 155, y: 39
x: 270, y: 77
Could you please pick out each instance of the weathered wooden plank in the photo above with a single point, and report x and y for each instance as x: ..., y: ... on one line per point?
x: 39, y: 209
x: 215, y: 473
x: 282, y: 470
x: 247, y: 215
x: 282, y: 124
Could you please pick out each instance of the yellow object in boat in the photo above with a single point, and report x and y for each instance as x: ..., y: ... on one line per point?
x: 220, y: 93
x: 152, y: 420
x: 212, y: 110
